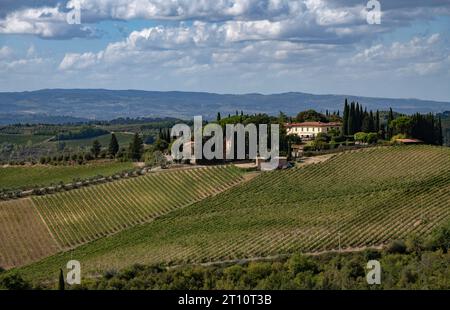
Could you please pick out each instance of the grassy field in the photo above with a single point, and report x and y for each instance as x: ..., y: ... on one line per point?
x: 15, y: 177
x: 124, y: 140
x: 355, y: 199
x: 79, y: 216
x: 22, y: 139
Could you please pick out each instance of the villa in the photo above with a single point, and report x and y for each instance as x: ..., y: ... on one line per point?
x: 309, y: 130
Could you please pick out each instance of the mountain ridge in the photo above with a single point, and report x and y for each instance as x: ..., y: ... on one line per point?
x: 105, y: 104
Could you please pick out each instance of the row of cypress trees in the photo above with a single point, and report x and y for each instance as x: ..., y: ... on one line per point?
x: 355, y: 119
x: 424, y: 127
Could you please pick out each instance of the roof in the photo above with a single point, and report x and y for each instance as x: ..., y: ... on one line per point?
x: 409, y: 140
x: 314, y: 124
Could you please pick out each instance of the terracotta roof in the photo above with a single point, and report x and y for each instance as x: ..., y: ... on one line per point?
x: 313, y: 124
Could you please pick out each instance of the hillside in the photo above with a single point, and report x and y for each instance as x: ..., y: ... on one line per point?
x: 19, y: 177
x: 108, y: 104
x: 355, y: 199
x: 37, y: 227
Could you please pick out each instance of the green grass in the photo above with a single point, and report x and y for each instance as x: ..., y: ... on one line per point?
x: 15, y: 177
x: 124, y: 140
x: 357, y: 199
x: 22, y: 139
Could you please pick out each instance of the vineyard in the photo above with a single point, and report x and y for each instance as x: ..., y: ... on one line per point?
x: 355, y: 199
x: 23, y: 235
x: 31, y: 176
x: 79, y: 216
x: 83, y: 215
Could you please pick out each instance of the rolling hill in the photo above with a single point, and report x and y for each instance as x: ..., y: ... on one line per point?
x: 19, y: 177
x: 354, y: 200
x: 49, y: 105
x: 33, y: 228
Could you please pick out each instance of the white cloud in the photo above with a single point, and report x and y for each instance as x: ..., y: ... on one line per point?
x: 79, y: 61
x: 46, y: 22
x: 419, y: 56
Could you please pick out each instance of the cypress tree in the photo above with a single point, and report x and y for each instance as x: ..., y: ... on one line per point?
x: 352, y: 120
x: 440, y: 139
x: 136, y: 148
x: 371, y: 122
x: 377, y: 122
x: 113, y: 146
x: 96, y: 148
x: 361, y: 117
x: 61, y: 282
x: 167, y: 135
x: 358, y: 119
x: 218, y: 116
x: 366, y: 124
x: 390, y: 132
x: 345, y: 119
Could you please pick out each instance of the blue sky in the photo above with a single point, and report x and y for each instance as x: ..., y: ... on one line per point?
x: 228, y: 46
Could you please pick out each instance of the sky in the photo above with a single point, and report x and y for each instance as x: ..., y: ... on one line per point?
x: 229, y: 46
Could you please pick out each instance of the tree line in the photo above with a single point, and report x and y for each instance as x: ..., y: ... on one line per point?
x: 427, y: 128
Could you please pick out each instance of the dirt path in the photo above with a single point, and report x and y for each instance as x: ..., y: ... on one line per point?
x: 314, y: 160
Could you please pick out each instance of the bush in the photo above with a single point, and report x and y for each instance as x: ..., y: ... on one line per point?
x: 338, y: 139
x: 300, y: 263
x: 14, y: 282
x: 396, y: 247
x: 361, y: 137
x: 440, y: 239
x: 372, y: 138
x: 320, y: 145
x: 414, y: 244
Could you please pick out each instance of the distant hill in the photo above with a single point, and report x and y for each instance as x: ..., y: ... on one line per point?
x: 101, y: 104
x: 25, y: 118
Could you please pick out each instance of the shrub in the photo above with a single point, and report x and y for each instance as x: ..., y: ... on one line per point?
x: 372, y: 138
x: 338, y: 139
x: 440, y: 239
x: 300, y: 263
x: 361, y: 137
x: 414, y: 244
x: 396, y: 247
x: 14, y: 282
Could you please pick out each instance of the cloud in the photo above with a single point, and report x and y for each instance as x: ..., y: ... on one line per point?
x: 340, y: 18
x: 45, y: 22
x: 421, y: 55
x: 79, y: 61
x: 229, y: 44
